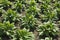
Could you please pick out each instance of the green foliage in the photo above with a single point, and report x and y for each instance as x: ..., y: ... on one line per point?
x: 48, y: 12
x: 28, y: 21
x: 47, y: 38
x: 33, y: 10
x: 29, y: 14
x: 19, y: 7
x: 48, y: 29
x: 0, y: 39
x: 21, y: 1
x: 0, y: 12
x: 6, y: 26
x: 11, y: 16
x: 6, y: 29
x: 49, y: 16
x: 24, y: 35
x: 58, y: 13
x: 32, y: 3
x: 5, y: 4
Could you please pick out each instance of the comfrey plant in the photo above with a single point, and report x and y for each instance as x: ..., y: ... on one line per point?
x: 6, y: 30
x: 11, y: 16
x: 20, y: 5
x: 47, y: 12
x: 9, y: 32
x: 28, y: 22
x: 5, y: 4
x: 48, y: 29
x: 49, y: 16
x: 33, y: 10
x: 24, y: 35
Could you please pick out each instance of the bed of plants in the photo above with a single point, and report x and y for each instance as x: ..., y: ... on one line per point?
x: 29, y: 19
